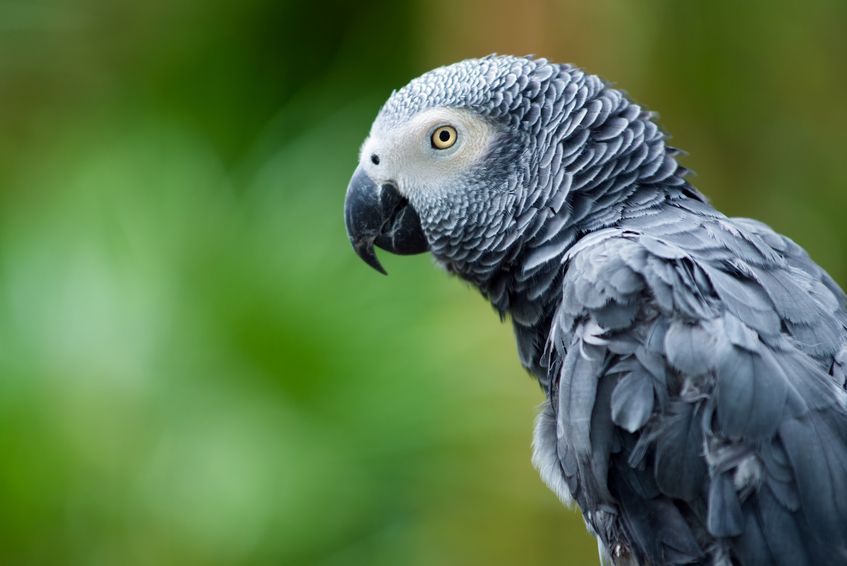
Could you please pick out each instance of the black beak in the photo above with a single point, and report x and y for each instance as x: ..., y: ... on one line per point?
x: 380, y: 216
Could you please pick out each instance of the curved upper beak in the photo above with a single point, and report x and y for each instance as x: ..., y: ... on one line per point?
x: 380, y: 215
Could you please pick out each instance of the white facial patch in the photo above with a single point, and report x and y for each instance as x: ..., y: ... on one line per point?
x: 406, y: 156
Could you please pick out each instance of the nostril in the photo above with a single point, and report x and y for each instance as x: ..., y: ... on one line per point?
x: 375, y: 159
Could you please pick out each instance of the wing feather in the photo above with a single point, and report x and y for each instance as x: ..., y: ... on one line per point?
x: 697, y: 370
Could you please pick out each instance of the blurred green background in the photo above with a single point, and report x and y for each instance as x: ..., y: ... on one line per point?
x: 194, y: 366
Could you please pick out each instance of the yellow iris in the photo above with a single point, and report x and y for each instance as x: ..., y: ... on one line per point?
x: 444, y: 137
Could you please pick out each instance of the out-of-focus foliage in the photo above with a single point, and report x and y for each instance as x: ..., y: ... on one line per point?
x: 196, y: 369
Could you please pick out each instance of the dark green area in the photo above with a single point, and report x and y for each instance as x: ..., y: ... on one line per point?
x: 194, y: 366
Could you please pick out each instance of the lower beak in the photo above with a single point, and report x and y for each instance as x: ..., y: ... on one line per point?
x: 380, y: 216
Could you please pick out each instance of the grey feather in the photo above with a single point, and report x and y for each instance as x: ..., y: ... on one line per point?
x: 632, y: 401
x: 750, y: 394
x: 725, y: 517
x: 680, y: 469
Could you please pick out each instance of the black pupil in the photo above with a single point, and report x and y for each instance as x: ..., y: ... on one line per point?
x: 444, y: 136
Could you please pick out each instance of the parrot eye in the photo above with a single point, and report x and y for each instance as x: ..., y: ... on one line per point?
x: 444, y: 137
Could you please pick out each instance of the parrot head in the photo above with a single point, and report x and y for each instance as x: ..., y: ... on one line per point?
x: 443, y: 165
x: 496, y: 165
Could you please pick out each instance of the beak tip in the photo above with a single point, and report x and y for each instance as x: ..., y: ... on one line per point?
x: 377, y: 266
x: 364, y: 249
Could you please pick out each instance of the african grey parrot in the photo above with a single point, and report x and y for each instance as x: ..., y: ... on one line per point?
x: 693, y: 364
